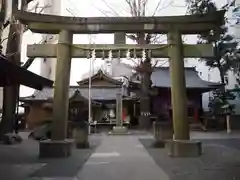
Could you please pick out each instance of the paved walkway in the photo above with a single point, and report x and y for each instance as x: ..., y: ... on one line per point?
x: 121, y: 157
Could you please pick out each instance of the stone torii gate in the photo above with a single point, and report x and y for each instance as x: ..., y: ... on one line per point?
x: 173, y: 26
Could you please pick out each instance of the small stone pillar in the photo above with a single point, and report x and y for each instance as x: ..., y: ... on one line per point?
x: 119, y: 128
x: 119, y: 109
x: 80, y: 134
x: 59, y: 146
x: 162, y: 130
x: 179, y: 99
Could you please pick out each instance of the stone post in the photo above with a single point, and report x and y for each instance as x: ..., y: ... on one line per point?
x: 119, y: 109
x: 119, y: 128
x: 178, y: 86
x: 59, y: 146
x: 180, y: 146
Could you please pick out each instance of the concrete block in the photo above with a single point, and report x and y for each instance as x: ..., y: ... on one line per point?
x: 55, y: 149
x: 183, y: 148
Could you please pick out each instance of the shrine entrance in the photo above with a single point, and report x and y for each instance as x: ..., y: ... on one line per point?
x: 175, y: 50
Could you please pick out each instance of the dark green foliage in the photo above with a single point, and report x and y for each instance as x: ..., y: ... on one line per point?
x: 219, y: 102
x: 227, y: 55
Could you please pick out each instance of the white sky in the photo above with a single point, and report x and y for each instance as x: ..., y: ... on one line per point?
x: 96, y: 8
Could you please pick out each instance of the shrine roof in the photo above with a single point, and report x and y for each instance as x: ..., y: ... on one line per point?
x: 98, y: 94
x: 161, y: 78
x: 46, y: 94
x: 100, y: 75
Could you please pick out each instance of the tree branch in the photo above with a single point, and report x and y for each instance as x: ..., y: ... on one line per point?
x: 107, y: 4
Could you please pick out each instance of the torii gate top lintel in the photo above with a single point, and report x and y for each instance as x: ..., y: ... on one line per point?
x: 187, y: 24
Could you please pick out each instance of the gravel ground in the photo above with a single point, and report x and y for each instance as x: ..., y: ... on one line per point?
x: 220, y: 160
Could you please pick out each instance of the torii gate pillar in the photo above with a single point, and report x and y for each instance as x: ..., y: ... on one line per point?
x: 180, y: 145
x: 59, y: 146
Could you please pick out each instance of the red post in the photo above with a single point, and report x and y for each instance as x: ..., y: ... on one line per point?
x: 196, y: 115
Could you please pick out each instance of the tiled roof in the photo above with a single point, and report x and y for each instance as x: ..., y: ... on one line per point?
x: 100, y: 74
x: 47, y: 94
x: 96, y: 93
x: 161, y: 78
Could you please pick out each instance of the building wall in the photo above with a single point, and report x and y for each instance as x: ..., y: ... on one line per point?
x: 162, y: 103
x: 37, y: 115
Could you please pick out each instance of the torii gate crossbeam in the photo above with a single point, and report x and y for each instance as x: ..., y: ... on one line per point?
x: 50, y: 24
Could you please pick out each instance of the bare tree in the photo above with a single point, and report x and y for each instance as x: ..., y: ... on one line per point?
x: 144, y: 67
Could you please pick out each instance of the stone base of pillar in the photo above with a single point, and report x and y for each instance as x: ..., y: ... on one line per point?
x: 119, y: 130
x: 183, y: 148
x: 82, y: 145
x: 55, y: 149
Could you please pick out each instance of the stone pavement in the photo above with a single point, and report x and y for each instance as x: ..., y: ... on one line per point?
x: 121, y: 157
x: 125, y: 157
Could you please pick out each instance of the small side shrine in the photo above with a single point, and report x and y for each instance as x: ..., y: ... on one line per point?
x: 39, y: 106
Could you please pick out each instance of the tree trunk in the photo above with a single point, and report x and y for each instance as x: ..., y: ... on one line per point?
x: 145, y: 72
x: 11, y: 93
x: 221, y: 72
x: 144, y: 120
